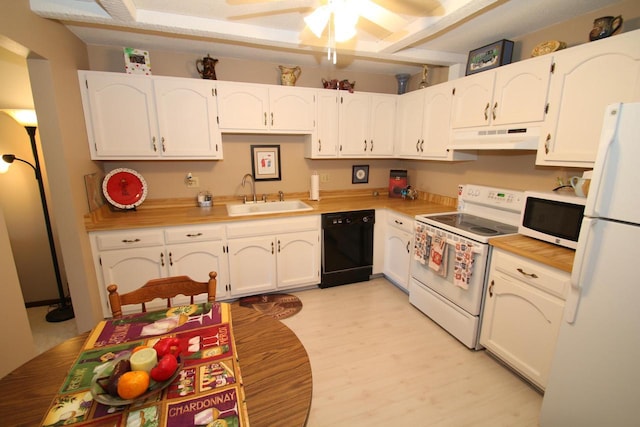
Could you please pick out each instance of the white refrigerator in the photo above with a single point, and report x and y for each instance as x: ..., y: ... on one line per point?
x: 595, y: 374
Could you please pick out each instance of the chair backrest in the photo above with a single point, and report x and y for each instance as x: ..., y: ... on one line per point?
x: 165, y: 288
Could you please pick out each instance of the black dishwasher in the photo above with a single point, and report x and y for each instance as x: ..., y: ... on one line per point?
x: 347, y: 247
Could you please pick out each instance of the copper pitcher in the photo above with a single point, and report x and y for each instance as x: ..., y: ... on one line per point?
x: 207, y: 67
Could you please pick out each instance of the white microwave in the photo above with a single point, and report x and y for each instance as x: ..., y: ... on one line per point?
x: 552, y: 217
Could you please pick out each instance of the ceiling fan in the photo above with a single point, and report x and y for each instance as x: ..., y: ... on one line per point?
x: 345, y: 14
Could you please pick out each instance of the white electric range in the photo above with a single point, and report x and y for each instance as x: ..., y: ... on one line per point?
x: 451, y: 257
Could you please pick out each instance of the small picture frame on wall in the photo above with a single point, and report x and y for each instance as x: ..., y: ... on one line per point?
x: 265, y: 162
x: 360, y: 174
x: 490, y: 56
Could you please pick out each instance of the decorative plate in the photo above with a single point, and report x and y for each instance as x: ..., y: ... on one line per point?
x: 548, y: 47
x: 103, y: 371
x: 124, y: 188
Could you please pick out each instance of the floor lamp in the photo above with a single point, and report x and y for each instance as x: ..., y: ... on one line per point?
x: 27, y: 118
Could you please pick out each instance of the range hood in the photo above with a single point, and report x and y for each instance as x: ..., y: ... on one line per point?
x: 496, y: 138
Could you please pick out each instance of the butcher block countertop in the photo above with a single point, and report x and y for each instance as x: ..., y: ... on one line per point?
x: 536, y: 250
x: 170, y: 212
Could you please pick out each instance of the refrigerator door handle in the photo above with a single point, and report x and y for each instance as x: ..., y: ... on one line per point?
x: 583, y: 252
x: 607, y: 138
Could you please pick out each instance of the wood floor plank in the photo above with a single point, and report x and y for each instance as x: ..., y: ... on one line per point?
x: 378, y: 361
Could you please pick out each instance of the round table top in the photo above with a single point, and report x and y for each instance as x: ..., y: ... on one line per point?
x: 274, y: 363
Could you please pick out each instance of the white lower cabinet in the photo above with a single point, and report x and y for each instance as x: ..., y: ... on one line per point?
x: 268, y: 255
x: 398, y: 246
x: 130, y: 258
x: 523, y: 311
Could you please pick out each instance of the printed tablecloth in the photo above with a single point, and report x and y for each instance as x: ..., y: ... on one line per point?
x: 207, y: 392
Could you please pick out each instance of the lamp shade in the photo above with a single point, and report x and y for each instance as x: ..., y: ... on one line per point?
x: 24, y: 117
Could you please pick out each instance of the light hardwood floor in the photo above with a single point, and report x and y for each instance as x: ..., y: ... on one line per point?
x: 378, y: 361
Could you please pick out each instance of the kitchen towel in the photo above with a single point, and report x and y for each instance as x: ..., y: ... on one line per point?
x: 422, y: 244
x: 314, y: 193
x: 438, y: 255
x: 463, y: 268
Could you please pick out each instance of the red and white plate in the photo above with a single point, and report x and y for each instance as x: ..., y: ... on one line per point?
x: 124, y: 188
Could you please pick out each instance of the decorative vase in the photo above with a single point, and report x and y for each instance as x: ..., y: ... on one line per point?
x: 425, y: 77
x: 403, y: 80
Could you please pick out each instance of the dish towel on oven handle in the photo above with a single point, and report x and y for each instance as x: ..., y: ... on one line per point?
x: 422, y: 244
x: 463, y: 268
x: 438, y: 255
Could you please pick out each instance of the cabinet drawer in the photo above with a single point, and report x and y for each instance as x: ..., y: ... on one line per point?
x: 401, y: 222
x: 546, y: 278
x: 273, y: 226
x: 193, y: 234
x: 129, y: 239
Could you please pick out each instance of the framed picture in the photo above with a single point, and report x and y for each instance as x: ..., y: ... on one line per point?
x: 136, y: 61
x: 360, y: 174
x: 490, y: 56
x: 265, y: 162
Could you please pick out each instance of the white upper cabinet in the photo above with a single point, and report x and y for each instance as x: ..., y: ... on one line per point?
x: 146, y: 117
x: 366, y: 124
x: 247, y: 107
x: 187, y: 117
x: 502, y: 108
x: 324, y: 141
x: 515, y: 93
x: 585, y: 80
x: 424, y: 125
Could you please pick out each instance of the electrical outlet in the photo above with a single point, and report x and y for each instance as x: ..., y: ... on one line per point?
x: 193, y: 182
x: 324, y: 177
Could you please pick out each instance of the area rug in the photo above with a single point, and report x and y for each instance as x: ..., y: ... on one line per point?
x: 278, y: 306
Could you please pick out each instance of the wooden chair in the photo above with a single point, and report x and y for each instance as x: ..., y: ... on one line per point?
x: 165, y: 288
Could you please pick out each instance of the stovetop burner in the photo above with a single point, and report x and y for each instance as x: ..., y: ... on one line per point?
x: 474, y: 224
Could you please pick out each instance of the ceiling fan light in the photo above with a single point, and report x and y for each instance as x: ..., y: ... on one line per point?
x: 318, y: 20
x: 345, y: 18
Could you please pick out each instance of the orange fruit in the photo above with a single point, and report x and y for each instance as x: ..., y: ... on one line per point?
x: 133, y: 384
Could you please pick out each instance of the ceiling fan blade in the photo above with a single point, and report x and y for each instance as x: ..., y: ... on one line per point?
x: 318, y: 20
x: 380, y: 16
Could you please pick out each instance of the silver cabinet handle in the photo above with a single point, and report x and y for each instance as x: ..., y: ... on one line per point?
x: 486, y: 112
x: 163, y: 147
x: 491, y: 289
x: 161, y: 259
x: 170, y: 259
x: 493, y: 112
x: 194, y: 235
x: 265, y: 118
x: 408, y: 243
x: 271, y: 119
x: 153, y: 141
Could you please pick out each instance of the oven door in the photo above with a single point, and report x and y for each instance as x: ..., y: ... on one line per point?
x: 470, y: 300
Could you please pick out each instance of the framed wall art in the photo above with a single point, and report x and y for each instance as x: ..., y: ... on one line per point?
x: 490, y: 56
x: 360, y: 174
x: 265, y: 162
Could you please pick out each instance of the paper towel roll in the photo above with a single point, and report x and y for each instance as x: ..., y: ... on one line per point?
x: 314, y: 193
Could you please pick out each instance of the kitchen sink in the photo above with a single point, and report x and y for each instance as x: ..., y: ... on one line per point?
x: 262, y: 208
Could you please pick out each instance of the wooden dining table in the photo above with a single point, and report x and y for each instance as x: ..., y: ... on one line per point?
x: 275, y: 369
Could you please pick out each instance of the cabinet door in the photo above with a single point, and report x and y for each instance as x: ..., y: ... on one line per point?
x: 520, y: 325
x: 520, y: 93
x: 252, y: 265
x: 397, y: 257
x: 121, y: 116
x: 382, y: 125
x: 298, y: 259
x: 586, y: 79
x: 187, y: 116
x: 130, y: 269
x: 196, y: 260
x: 292, y: 109
x: 472, y: 100
x: 324, y: 143
x: 437, y: 122
x: 242, y: 106
x: 354, y: 124
x: 410, y: 124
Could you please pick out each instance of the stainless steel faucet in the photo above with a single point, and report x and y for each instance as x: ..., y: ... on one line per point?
x: 253, y: 185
